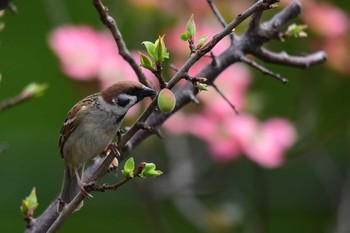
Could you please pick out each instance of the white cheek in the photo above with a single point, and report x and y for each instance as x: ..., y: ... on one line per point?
x: 116, y: 109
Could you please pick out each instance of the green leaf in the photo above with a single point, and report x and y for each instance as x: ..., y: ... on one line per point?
x: 129, y: 167
x: 191, y: 27
x: 274, y: 5
x: 29, y: 204
x: 296, y: 30
x: 35, y: 89
x: 160, y: 50
x: 202, y: 40
x: 202, y: 87
x: 151, y: 48
x: 185, y: 36
x: 146, y: 62
x: 150, y: 171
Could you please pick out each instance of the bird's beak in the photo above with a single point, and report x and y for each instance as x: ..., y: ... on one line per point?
x: 146, y: 91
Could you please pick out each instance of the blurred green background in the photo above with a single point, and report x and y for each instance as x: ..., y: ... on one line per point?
x: 304, y: 195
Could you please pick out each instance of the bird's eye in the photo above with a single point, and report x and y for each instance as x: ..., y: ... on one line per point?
x: 123, y: 101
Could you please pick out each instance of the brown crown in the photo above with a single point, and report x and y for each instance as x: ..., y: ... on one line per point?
x: 127, y: 87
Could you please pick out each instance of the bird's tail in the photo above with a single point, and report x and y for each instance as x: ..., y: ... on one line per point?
x: 70, y: 187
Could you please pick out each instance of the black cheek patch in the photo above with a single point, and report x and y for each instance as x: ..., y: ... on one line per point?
x: 119, y: 119
x: 123, y: 102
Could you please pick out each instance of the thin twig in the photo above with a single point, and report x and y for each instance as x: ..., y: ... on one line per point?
x: 262, y: 69
x: 105, y: 187
x: 6, y: 104
x: 285, y: 59
x: 219, y: 17
x: 158, y: 73
x: 225, y: 98
x: 173, y: 67
x: 111, y: 24
x: 215, y: 61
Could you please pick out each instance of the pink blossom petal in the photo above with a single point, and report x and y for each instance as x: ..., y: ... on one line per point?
x: 264, y: 150
x: 264, y: 143
x: 177, y: 124
x: 224, y: 150
x: 202, y: 127
x: 77, y: 48
x: 282, y: 130
x: 326, y: 19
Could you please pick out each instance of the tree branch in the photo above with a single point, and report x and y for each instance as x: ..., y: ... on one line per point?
x: 225, y: 98
x: 6, y: 104
x: 285, y: 59
x: 29, y: 92
x: 262, y: 69
x: 111, y: 24
x: 219, y: 17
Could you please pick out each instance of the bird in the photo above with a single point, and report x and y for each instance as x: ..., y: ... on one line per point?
x: 90, y: 127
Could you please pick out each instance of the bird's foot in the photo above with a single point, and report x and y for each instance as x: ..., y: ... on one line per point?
x: 113, y: 147
x: 84, y: 189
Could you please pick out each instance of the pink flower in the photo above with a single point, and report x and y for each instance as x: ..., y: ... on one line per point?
x: 233, y: 83
x: 338, y: 55
x: 177, y: 124
x: 265, y: 143
x: 86, y: 54
x: 78, y: 50
x: 326, y: 20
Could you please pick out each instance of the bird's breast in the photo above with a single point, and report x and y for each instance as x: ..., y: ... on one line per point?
x: 90, y: 138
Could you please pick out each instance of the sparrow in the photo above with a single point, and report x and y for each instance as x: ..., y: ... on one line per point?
x: 89, y: 129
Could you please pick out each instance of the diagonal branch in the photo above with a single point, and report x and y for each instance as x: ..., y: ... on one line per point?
x: 6, y: 104
x: 111, y: 24
x: 258, y: 6
x: 219, y: 17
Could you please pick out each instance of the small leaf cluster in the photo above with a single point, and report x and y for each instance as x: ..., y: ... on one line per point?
x: 157, y: 52
x: 296, y: 31
x: 34, y: 90
x: 29, y: 204
x: 191, y: 32
x: 199, y: 83
x: 146, y: 169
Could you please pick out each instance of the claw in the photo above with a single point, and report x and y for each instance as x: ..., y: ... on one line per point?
x: 83, y: 190
x: 82, y: 185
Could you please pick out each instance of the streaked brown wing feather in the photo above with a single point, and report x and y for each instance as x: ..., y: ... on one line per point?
x: 72, y: 122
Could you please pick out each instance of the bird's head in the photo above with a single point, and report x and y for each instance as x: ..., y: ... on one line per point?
x: 124, y: 94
